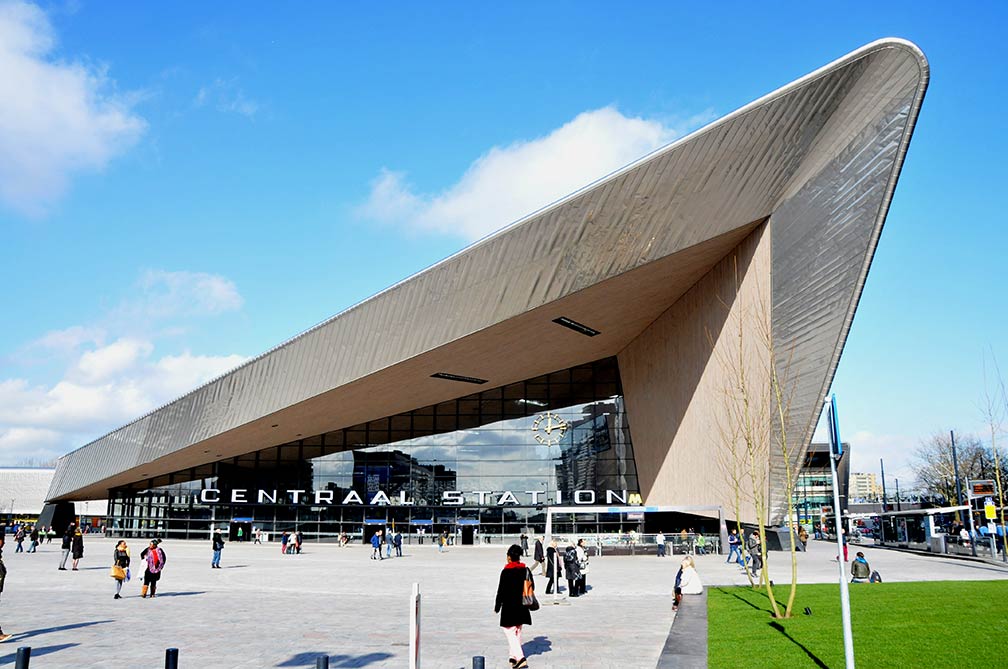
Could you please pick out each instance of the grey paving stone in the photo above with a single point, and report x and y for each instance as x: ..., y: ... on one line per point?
x: 268, y: 610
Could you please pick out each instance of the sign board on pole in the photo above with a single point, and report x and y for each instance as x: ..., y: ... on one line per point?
x: 990, y: 511
x: 981, y: 488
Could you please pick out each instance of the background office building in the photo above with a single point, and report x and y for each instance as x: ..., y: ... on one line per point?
x: 574, y: 358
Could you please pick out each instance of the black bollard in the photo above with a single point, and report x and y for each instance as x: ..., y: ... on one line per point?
x: 479, y: 662
x: 322, y: 662
x: 23, y: 657
x: 171, y: 658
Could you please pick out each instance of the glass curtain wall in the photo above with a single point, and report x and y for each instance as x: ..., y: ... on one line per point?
x: 510, y: 450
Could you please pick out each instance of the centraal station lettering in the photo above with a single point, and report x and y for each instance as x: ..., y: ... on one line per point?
x: 448, y: 497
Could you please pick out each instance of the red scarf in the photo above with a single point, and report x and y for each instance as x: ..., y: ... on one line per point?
x: 515, y: 565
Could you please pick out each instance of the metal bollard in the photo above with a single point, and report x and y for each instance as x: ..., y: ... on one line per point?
x: 23, y: 657
x: 322, y: 662
x: 171, y: 658
x: 479, y: 662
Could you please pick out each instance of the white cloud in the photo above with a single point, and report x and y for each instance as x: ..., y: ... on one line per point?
x: 113, y: 371
x: 70, y: 339
x: 105, y: 388
x: 175, y: 294
x: 107, y: 361
x: 57, y: 118
x: 226, y: 96
x: 510, y: 182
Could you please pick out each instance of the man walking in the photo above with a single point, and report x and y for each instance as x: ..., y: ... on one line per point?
x: 34, y: 535
x: 388, y: 544
x: 376, y: 546
x: 397, y: 541
x: 66, y: 545
x: 218, y: 546
x: 660, y: 543
x: 735, y: 548
x: 538, y: 556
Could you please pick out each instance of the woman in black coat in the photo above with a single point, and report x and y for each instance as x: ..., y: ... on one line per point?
x: 552, y: 563
x: 509, y: 604
x: 77, y: 545
x: 573, y: 568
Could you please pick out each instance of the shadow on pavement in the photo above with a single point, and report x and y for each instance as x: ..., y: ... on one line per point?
x: 537, y: 646
x: 180, y: 594
x: 19, y: 637
x: 36, y: 652
x: 309, y: 660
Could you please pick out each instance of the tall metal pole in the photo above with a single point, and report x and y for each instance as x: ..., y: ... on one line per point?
x: 955, y: 468
x: 836, y: 452
x: 884, y: 497
x: 899, y: 503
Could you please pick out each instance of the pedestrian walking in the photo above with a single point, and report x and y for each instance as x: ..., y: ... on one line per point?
x: 755, y: 552
x: 218, y: 546
x: 120, y: 566
x: 701, y: 544
x: 67, y: 545
x: 298, y: 539
x: 34, y: 536
x: 388, y: 545
x: 735, y: 548
x: 660, y: 543
x: 509, y: 603
x: 397, y: 541
x: 3, y: 577
x: 570, y: 559
x: 156, y: 559
x: 49, y: 534
x: 284, y: 538
x: 241, y: 533
x: 376, y: 546
x: 524, y: 544
x: 19, y: 538
x: 582, y: 554
x: 77, y: 547
x: 538, y: 556
x: 258, y: 537
x: 553, y: 564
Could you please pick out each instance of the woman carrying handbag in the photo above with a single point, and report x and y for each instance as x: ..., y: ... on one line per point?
x: 514, y: 589
x: 120, y: 566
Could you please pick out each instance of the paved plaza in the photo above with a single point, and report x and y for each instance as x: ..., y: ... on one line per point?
x: 264, y: 609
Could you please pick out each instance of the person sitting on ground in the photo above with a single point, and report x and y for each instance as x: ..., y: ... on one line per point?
x: 859, y: 569
x: 687, y: 581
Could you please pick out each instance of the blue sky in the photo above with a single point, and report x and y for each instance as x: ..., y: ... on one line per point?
x: 183, y: 187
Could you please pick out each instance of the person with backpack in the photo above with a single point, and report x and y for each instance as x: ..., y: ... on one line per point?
x: 19, y: 537
x: 514, y: 613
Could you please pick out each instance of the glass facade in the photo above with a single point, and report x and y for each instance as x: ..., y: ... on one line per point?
x: 481, y: 466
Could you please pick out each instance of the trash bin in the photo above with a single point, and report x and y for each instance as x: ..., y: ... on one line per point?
x: 938, y: 544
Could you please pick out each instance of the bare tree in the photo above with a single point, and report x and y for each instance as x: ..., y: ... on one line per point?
x: 994, y: 412
x: 755, y: 417
x: 934, y: 468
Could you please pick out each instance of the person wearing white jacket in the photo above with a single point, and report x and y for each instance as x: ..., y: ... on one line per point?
x: 687, y: 581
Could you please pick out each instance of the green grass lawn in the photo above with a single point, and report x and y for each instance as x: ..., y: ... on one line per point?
x: 902, y: 625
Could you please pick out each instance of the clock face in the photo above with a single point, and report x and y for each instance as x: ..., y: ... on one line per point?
x: 548, y: 428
